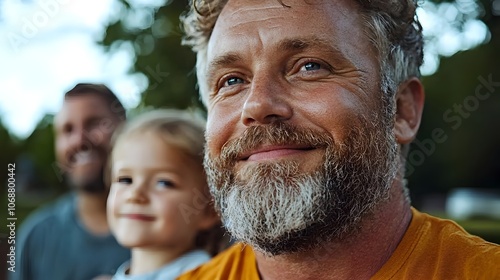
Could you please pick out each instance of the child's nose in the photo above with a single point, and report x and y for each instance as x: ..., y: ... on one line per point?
x: 138, y: 194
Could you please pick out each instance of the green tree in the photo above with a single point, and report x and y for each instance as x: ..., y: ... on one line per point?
x: 155, y: 35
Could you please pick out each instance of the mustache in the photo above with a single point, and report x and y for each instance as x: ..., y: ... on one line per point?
x: 278, y: 133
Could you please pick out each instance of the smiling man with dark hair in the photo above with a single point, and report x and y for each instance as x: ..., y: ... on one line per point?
x: 70, y: 239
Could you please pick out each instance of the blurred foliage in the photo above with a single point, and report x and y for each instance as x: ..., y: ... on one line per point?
x: 39, y: 149
x: 9, y: 149
x: 35, y: 180
x: 155, y: 36
x: 469, y: 157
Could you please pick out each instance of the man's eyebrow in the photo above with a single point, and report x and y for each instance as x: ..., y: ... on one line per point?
x: 303, y: 43
x: 221, y: 62
x: 225, y: 59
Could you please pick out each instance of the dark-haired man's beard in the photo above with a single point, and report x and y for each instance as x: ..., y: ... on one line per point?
x: 89, y: 184
x: 279, y: 209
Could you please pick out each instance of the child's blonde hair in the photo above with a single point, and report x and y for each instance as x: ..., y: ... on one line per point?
x: 185, y: 131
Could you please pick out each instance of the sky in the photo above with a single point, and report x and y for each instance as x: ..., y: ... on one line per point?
x: 47, y: 46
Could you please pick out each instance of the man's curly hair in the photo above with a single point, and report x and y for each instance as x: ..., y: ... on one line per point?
x: 391, y: 25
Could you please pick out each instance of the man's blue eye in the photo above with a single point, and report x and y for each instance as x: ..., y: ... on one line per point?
x: 312, y: 66
x: 165, y: 183
x: 234, y: 80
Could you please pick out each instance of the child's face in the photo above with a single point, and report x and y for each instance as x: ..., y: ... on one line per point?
x: 156, y: 195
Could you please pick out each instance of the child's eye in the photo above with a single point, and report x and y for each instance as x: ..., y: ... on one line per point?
x: 125, y: 180
x: 165, y: 183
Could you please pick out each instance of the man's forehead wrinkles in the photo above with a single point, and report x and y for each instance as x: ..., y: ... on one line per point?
x: 237, y: 11
x: 237, y: 15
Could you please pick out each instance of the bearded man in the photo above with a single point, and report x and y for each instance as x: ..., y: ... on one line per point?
x: 311, y: 108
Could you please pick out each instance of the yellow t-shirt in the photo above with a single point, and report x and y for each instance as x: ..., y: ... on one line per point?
x: 431, y: 248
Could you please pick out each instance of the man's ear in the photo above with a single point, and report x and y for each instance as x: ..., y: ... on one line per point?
x: 409, y: 106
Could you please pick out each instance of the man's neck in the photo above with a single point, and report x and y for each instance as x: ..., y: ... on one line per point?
x: 357, y: 258
x: 91, y: 210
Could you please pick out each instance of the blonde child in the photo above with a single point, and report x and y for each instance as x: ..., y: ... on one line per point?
x: 158, y: 204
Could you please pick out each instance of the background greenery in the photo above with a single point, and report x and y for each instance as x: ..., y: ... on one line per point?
x: 469, y: 157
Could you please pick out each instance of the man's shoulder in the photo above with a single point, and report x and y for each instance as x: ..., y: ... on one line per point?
x: 237, y: 262
x: 443, y: 245
x: 450, y: 232
x: 51, y: 215
x: 436, y: 248
x: 460, y: 251
x: 455, y: 239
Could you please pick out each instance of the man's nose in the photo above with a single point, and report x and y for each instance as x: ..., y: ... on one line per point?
x: 266, y: 102
x: 80, y: 140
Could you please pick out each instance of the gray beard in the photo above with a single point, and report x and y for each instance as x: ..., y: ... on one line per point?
x: 278, y: 210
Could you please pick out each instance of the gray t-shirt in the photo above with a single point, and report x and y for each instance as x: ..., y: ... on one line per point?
x: 52, y: 244
x: 170, y: 271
